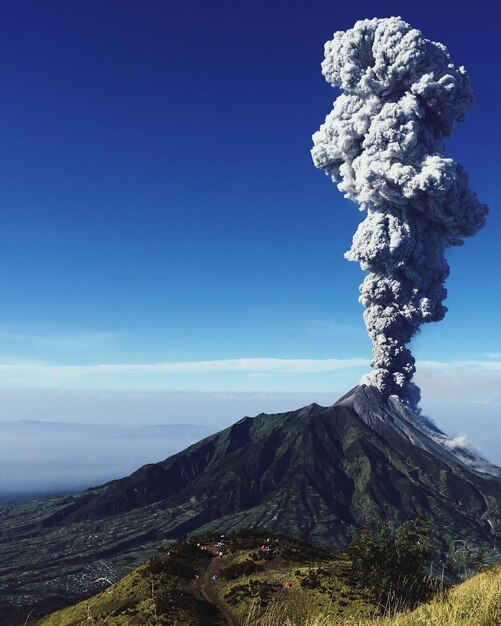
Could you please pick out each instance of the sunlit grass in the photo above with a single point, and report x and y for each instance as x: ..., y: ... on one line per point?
x: 476, y: 602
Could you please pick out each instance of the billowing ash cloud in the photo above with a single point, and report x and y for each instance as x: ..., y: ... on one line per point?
x: 382, y: 144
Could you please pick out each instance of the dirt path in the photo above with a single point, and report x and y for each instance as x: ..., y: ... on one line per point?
x: 208, y: 594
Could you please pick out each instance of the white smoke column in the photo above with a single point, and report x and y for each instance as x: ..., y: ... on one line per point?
x: 383, y: 145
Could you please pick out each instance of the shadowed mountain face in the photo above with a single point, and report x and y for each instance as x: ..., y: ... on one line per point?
x: 315, y: 473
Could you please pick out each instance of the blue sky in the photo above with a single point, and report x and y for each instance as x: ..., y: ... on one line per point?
x: 162, y: 226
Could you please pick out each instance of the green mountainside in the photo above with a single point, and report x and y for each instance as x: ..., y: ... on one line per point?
x: 315, y: 474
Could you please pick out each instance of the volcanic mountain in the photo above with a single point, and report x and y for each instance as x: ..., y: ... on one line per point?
x: 315, y: 473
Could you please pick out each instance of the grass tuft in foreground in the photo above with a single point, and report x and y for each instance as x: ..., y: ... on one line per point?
x: 476, y: 602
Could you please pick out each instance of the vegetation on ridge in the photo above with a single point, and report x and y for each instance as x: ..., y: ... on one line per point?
x: 214, y: 580
x: 258, y: 578
x: 476, y: 602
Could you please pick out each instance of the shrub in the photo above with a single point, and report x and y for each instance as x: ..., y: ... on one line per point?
x: 390, y: 564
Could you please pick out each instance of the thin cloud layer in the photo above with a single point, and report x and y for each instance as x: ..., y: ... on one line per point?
x: 47, y: 373
x: 471, y: 375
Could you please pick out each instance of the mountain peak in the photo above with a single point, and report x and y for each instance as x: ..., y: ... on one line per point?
x: 310, y: 410
x: 389, y: 416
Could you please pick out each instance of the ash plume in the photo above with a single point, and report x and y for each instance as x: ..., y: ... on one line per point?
x: 382, y: 144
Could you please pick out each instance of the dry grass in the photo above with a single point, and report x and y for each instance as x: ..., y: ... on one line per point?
x: 476, y: 602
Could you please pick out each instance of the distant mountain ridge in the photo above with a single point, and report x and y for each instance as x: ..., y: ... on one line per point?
x: 315, y: 473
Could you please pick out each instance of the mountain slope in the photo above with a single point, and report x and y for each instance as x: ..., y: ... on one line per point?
x: 315, y: 473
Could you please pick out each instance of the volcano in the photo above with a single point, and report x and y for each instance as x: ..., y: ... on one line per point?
x: 316, y: 473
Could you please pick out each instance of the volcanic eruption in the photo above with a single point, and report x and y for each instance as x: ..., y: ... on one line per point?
x: 383, y: 144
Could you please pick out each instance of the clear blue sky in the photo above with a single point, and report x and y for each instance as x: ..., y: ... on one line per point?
x: 158, y: 202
